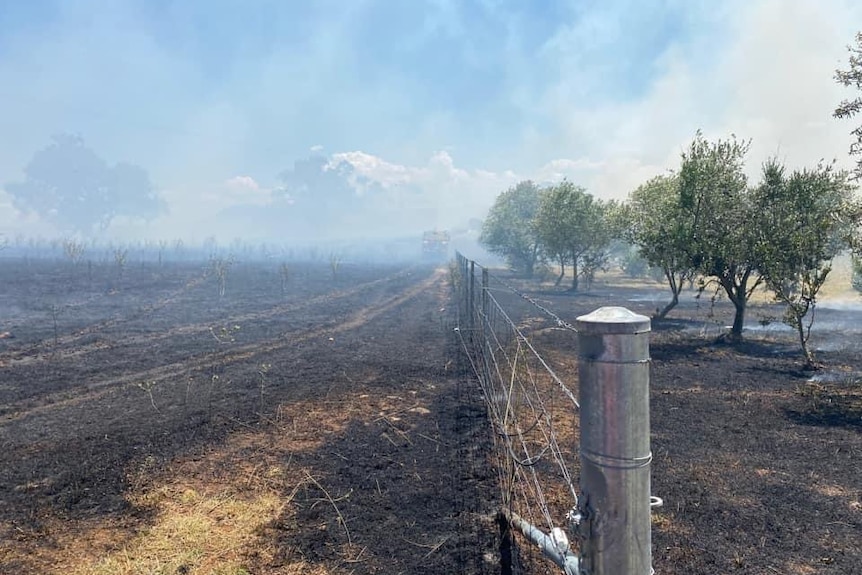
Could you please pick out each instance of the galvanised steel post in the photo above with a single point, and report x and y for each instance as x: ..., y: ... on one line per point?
x: 484, y: 319
x: 472, y: 301
x: 462, y: 288
x: 485, y: 292
x: 466, y: 288
x: 615, y: 453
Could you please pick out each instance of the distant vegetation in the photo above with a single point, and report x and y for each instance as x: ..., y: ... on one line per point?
x: 70, y: 186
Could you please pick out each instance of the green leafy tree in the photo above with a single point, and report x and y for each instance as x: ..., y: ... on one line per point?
x: 852, y: 78
x: 804, y: 219
x: 69, y: 185
x: 574, y: 228
x: 856, y: 277
x: 510, y: 228
x: 663, y: 230
x: 714, y: 189
x: 633, y: 264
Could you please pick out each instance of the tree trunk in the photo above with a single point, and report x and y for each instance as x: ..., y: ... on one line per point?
x: 562, y: 273
x: 739, y: 317
x: 660, y: 314
x: 803, y: 342
x: 530, y: 264
x: 574, y: 275
x: 675, y: 288
x: 737, y: 293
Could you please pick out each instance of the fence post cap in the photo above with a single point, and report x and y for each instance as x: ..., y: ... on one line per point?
x: 613, y: 320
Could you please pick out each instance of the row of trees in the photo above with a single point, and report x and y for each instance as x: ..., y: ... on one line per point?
x: 564, y: 223
x: 704, y: 222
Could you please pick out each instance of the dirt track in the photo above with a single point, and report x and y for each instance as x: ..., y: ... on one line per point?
x: 346, y: 385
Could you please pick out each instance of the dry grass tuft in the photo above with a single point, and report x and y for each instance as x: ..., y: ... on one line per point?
x: 208, y: 512
x: 194, y: 533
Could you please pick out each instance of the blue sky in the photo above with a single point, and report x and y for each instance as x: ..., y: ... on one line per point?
x: 216, y: 98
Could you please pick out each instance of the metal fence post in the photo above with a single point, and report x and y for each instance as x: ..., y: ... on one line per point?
x: 615, y: 452
x: 485, y: 328
x: 462, y: 288
x: 472, y: 298
x: 485, y: 302
x: 466, y: 287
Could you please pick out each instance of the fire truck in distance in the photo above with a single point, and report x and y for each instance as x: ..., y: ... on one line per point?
x: 435, y: 245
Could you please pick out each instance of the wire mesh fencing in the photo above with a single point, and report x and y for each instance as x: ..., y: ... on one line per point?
x: 531, y: 410
x: 563, y: 476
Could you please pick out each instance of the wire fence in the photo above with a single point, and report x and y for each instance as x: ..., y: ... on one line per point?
x: 540, y: 449
x: 532, y: 411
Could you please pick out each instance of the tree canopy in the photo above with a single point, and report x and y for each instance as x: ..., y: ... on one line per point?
x: 708, y: 222
x: 573, y: 228
x: 804, y: 219
x: 714, y: 188
x: 510, y: 228
x: 69, y: 185
x: 852, y: 78
x: 663, y: 230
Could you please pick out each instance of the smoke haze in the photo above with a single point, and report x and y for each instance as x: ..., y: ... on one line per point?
x: 272, y: 120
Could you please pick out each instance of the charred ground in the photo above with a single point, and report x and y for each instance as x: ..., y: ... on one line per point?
x: 327, y: 425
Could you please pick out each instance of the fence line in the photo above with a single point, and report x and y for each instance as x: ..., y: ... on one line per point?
x: 557, y: 319
x: 535, y: 420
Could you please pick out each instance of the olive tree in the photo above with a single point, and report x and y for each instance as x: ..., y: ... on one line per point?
x: 510, y: 228
x: 804, y: 219
x: 713, y: 187
x: 852, y: 78
x: 574, y: 227
x: 656, y: 222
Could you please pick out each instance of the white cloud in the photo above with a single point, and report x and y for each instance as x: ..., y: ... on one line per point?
x: 377, y: 169
x: 242, y: 184
x: 438, y: 193
x: 237, y: 190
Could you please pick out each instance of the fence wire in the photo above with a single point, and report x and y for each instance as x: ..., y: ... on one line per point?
x: 532, y: 411
x: 557, y: 319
